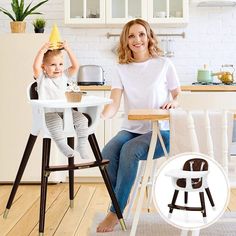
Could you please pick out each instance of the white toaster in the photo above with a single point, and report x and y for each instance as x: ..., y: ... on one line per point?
x: 90, y: 75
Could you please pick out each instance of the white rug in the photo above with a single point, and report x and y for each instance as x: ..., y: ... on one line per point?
x: 153, y: 225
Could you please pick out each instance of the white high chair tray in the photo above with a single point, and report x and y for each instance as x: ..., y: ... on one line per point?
x: 87, y: 101
x: 186, y: 174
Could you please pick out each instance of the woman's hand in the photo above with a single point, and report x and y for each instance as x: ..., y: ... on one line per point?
x: 111, y: 109
x: 170, y: 105
x: 173, y: 103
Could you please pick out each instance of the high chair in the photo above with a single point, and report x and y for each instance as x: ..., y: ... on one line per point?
x: 91, y: 109
x: 193, y: 178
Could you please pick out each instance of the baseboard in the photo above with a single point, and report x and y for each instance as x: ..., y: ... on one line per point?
x: 87, y: 179
x: 77, y: 179
x: 28, y: 182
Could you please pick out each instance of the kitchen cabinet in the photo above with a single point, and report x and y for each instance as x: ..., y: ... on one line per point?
x: 17, y: 52
x: 118, y: 12
x: 112, y: 126
x: 121, y: 11
x: 168, y: 12
x: 84, y: 12
x: 161, y: 12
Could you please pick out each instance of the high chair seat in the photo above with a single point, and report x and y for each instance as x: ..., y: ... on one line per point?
x: 91, y: 107
x: 197, y: 166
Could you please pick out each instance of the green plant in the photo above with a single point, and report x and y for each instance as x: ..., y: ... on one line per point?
x: 39, y: 23
x: 19, y: 12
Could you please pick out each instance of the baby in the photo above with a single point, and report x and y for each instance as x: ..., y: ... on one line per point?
x: 52, y: 79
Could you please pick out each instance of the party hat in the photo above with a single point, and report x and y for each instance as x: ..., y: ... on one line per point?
x: 54, y: 38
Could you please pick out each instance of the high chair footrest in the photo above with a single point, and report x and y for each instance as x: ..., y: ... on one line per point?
x: 77, y: 166
x: 185, y: 208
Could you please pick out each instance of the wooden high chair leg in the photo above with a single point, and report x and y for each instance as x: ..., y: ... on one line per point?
x: 44, y: 182
x: 174, y: 200
x: 70, y: 142
x: 202, y: 204
x: 24, y: 161
x: 210, y: 197
x: 185, y: 197
x: 98, y: 156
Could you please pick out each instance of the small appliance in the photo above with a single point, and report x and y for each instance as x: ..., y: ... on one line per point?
x: 90, y: 75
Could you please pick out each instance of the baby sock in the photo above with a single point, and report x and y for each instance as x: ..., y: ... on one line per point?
x: 81, y: 129
x: 65, y: 148
x: 54, y: 124
x: 82, y: 147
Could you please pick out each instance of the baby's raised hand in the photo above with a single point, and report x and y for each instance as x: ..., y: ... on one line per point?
x: 63, y: 45
x: 45, y: 47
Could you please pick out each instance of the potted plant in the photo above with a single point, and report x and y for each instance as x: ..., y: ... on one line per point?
x: 39, y: 24
x: 20, y: 13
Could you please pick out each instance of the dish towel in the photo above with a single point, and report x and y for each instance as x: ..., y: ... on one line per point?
x: 212, y: 131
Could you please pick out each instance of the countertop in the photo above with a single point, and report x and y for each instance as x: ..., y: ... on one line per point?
x: 96, y: 88
x: 196, y: 88
x: 209, y: 88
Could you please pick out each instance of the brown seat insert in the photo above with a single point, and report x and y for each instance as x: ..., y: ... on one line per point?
x: 195, y: 164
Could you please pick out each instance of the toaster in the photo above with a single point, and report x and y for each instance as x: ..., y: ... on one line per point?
x: 90, y: 75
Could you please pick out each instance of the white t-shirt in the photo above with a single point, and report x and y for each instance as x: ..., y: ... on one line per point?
x: 145, y: 85
x: 52, y: 88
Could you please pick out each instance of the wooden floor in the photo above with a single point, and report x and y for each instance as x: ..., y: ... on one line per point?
x: 60, y: 219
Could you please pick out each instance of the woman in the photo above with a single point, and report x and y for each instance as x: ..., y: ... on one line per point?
x: 146, y: 80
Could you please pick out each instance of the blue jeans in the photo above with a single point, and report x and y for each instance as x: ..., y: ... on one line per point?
x: 124, y: 152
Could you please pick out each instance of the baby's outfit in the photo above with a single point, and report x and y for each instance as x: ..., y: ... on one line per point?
x: 54, y: 88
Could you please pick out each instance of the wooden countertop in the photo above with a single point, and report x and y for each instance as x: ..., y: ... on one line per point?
x: 209, y: 88
x: 96, y: 88
x: 196, y: 88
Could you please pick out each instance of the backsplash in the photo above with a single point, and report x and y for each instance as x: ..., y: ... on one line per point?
x: 210, y: 39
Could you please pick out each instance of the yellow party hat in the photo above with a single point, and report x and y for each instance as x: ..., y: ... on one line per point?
x: 54, y: 38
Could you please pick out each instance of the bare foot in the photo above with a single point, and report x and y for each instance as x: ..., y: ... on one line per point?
x: 108, y: 224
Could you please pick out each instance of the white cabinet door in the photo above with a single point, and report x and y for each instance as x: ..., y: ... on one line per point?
x: 168, y: 12
x: 112, y: 126
x: 88, y: 12
x: 122, y: 11
x: 118, y: 12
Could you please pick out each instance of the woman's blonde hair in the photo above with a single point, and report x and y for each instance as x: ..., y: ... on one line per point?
x: 125, y: 55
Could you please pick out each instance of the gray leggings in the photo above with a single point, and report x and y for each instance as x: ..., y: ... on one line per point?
x: 54, y: 123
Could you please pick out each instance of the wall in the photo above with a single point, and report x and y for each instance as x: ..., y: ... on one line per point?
x: 210, y: 39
